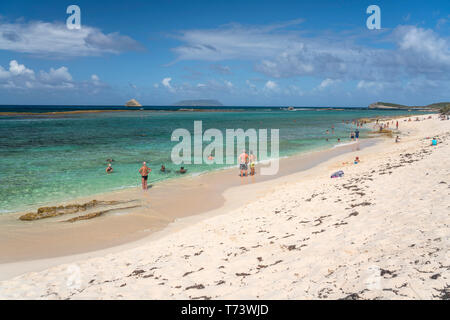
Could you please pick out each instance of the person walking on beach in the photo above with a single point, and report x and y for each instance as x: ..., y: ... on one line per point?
x: 396, y: 125
x: 144, y: 171
x: 243, y: 161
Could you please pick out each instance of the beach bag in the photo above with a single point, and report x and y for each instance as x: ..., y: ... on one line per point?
x: 337, y: 174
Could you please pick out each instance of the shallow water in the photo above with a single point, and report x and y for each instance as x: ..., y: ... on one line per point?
x: 50, y: 158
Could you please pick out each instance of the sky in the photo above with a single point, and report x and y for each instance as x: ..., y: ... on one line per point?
x: 242, y: 53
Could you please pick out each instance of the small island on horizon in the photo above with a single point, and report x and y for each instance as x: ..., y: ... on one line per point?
x: 198, y: 103
x: 133, y: 103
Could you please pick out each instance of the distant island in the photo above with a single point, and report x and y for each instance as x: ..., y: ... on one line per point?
x: 198, y: 103
x: 388, y: 105
x: 133, y: 103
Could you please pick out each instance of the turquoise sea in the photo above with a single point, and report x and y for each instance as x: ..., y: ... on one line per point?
x: 49, y: 158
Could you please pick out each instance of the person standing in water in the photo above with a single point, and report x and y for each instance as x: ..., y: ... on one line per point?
x: 144, y: 171
x: 252, y: 159
x: 357, y: 134
x: 243, y: 160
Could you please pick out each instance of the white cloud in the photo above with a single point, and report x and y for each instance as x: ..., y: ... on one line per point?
x: 370, y: 85
x: 250, y: 84
x: 55, y: 40
x: 17, y: 69
x: 56, y: 75
x: 166, y: 82
x: 285, y: 53
x: 19, y: 77
x: 229, y: 84
x: 328, y: 82
x: 270, y: 85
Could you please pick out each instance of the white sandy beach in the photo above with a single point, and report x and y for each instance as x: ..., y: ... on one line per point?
x: 379, y: 232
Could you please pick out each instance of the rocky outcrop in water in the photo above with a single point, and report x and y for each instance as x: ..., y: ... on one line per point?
x: 48, y: 212
x: 96, y: 214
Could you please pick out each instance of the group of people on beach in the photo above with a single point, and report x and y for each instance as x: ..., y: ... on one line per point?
x: 244, y: 161
x: 144, y: 171
x: 354, y: 135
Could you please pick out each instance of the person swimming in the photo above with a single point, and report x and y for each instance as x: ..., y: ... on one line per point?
x: 109, y: 168
x: 163, y: 168
x: 182, y: 170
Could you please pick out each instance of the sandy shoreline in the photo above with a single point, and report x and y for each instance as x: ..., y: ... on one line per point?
x: 380, y: 232
x: 139, y: 214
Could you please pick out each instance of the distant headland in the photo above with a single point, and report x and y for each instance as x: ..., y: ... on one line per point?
x: 388, y: 105
x: 198, y: 103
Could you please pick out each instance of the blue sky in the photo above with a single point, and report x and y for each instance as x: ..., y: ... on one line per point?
x: 302, y: 53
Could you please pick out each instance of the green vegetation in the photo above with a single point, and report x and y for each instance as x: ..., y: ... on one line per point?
x: 445, y: 109
x: 389, y: 105
x: 394, y: 105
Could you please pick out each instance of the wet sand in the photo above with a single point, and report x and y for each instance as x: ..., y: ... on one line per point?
x: 162, y: 204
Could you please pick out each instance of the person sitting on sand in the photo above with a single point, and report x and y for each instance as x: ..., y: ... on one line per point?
x: 243, y: 161
x: 109, y: 169
x: 356, y: 160
x: 144, y: 171
x: 397, y: 139
x: 434, y: 142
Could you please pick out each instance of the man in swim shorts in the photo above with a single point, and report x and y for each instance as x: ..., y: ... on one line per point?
x: 243, y: 160
x: 144, y: 171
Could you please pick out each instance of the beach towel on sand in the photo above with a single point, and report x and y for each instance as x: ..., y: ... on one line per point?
x: 337, y: 174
